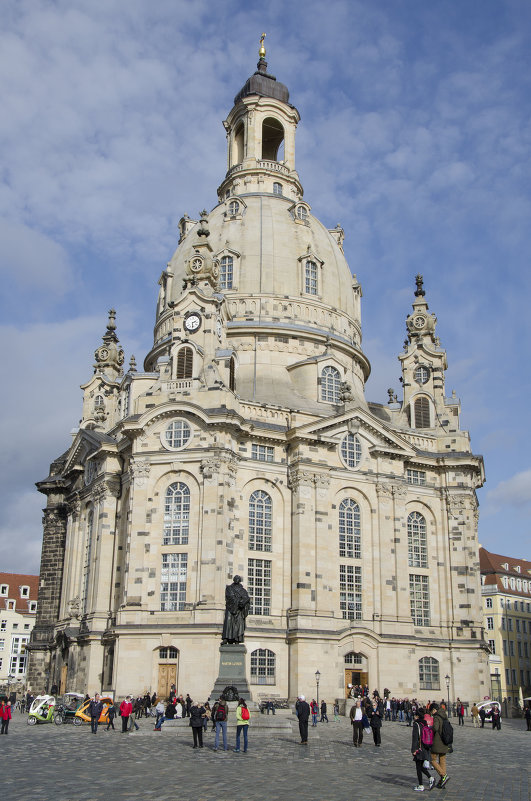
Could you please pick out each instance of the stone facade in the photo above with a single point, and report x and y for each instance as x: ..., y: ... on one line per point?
x: 247, y: 446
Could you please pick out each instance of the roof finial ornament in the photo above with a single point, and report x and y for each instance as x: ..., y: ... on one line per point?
x: 419, y: 292
x: 262, y: 51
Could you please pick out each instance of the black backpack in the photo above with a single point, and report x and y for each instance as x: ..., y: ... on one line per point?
x: 221, y: 713
x: 447, y: 732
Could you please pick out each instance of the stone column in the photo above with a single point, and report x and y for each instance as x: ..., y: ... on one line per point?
x: 49, y: 597
x: 303, y: 536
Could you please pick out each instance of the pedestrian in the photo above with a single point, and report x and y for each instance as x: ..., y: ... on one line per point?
x: 126, y: 708
x: 197, y: 713
x: 221, y: 723
x: 242, y: 724
x: 95, y: 709
x: 336, y: 712
x: 111, y: 714
x: 302, y: 710
x: 475, y: 715
x: 420, y: 751
x: 495, y: 716
x: 213, y: 714
x: 387, y: 709
x: 460, y: 712
x: 5, y: 715
x: 439, y: 749
x: 376, y: 726
x: 482, y: 715
x: 527, y: 715
x: 324, y: 716
x: 133, y: 723
x: 187, y: 705
x: 159, y: 709
x: 356, y: 719
x: 314, y: 709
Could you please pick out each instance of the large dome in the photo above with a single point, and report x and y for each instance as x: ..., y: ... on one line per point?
x: 270, y: 246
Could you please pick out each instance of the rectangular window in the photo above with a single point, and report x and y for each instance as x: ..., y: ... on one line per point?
x: 526, y: 651
x: 511, y: 648
x: 507, y: 677
x: 263, y: 666
x: 33, y: 606
x: 18, y: 644
x: 503, y: 623
x: 14, y: 626
x: 519, y: 649
x: 492, y: 646
x: 310, y: 278
x: 262, y: 453
x: 524, y: 626
x: 510, y: 623
x: 3, y: 589
x: 429, y: 674
x: 10, y: 605
x: 259, y: 586
x: 17, y: 665
x: 26, y: 626
x: 350, y: 592
x: 419, y: 596
x: 24, y: 592
x: 505, y: 647
x: 173, y: 581
x: 490, y: 623
x: 488, y: 603
x: 522, y: 682
x: 2, y: 643
x: 3, y: 625
x: 417, y: 477
x: 517, y: 624
x: 513, y: 674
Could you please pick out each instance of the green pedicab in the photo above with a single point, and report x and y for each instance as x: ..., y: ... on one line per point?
x: 41, y: 710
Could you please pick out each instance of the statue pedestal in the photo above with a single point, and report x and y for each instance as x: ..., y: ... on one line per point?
x: 231, y: 673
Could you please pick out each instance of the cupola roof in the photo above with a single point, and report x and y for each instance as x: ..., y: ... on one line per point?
x: 262, y: 83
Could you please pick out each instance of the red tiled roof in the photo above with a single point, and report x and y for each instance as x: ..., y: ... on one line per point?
x: 492, y: 566
x: 14, y: 582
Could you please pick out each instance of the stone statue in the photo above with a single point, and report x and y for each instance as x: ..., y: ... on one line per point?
x: 237, y: 603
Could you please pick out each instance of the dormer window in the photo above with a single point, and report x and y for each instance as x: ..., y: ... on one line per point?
x: 302, y: 213
x: 234, y: 208
x: 517, y: 568
x: 226, y: 272
x: 33, y: 606
x: 4, y: 589
x: 310, y: 277
x: 330, y: 385
x: 24, y: 592
x: 99, y: 403
x: 277, y: 188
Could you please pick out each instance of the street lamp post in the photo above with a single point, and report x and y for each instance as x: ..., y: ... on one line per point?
x: 447, y: 680
x: 317, y: 677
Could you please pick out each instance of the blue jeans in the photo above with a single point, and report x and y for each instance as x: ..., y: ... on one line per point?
x: 401, y: 715
x: 160, y: 720
x: 314, y: 720
x: 238, y: 732
x: 221, y: 725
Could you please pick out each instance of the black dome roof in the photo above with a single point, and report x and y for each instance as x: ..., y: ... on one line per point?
x: 261, y: 83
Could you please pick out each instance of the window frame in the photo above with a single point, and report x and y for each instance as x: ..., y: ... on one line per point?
x: 419, y: 599
x: 351, y: 442
x: 267, y: 668
x: 179, y: 567
x: 429, y: 673
x: 259, y: 585
x: 176, y: 517
x: 349, y: 541
x: 330, y: 385
x: 350, y: 592
x: 165, y: 439
x: 417, y: 540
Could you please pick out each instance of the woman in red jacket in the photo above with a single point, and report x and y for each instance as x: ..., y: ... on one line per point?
x: 126, y: 708
x: 5, y: 714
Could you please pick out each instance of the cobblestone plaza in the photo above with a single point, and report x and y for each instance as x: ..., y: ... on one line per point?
x: 70, y: 764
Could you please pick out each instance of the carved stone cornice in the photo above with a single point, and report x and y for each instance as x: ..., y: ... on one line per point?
x: 390, y: 490
x: 300, y: 477
x: 139, y: 471
x: 220, y: 462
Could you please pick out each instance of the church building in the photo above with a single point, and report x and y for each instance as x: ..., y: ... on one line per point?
x: 245, y: 445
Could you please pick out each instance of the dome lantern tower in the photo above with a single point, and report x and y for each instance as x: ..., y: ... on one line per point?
x: 261, y: 137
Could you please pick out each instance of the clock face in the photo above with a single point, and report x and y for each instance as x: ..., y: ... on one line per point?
x: 192, y: 322
x: 418, y: 322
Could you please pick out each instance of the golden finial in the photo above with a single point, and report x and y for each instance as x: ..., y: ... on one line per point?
x: 262, y: 51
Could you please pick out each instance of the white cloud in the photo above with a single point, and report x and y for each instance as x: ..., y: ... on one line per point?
x: 515, y: 491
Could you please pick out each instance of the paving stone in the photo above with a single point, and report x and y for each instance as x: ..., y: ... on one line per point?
x: 68, y: 763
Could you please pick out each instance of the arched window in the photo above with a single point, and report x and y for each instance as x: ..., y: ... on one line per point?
x: 260, y: 521
x: 349, y: 529
x: 232, y: 374
x: 234, y: 208
x: 263, y: 666
x: 277, y: 188
x: 422, y: 413
x: 429, y: 673
x: 238, y: 152
x: 310, y: 278
x: 168, y: 653
x: 87, y: 560
x: 99, y: 403
x: 352, y: 658
x: 176, y: 514
x: 226, y: 272
x: 272, y: 139
x: 330, y: 385
x: 302, y: 213
x: 416, y: 540
x: 185, y: 361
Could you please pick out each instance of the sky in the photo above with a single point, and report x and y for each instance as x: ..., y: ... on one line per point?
x: 415, y: 135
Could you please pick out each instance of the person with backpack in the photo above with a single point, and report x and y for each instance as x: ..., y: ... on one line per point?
x: 220, y: 718
x: 442, y: 739
x: 421, y: 742
x: 242, y: 724
x: 315, y: 711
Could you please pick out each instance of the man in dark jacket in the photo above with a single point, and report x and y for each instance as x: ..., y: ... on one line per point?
x: 438, y: 748
x: 95, y: 709
x: 302, y: 709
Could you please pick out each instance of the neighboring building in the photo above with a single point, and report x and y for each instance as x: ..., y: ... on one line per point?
x: 247, y: 446
x: 506, y: 591
x: 18, y: 609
